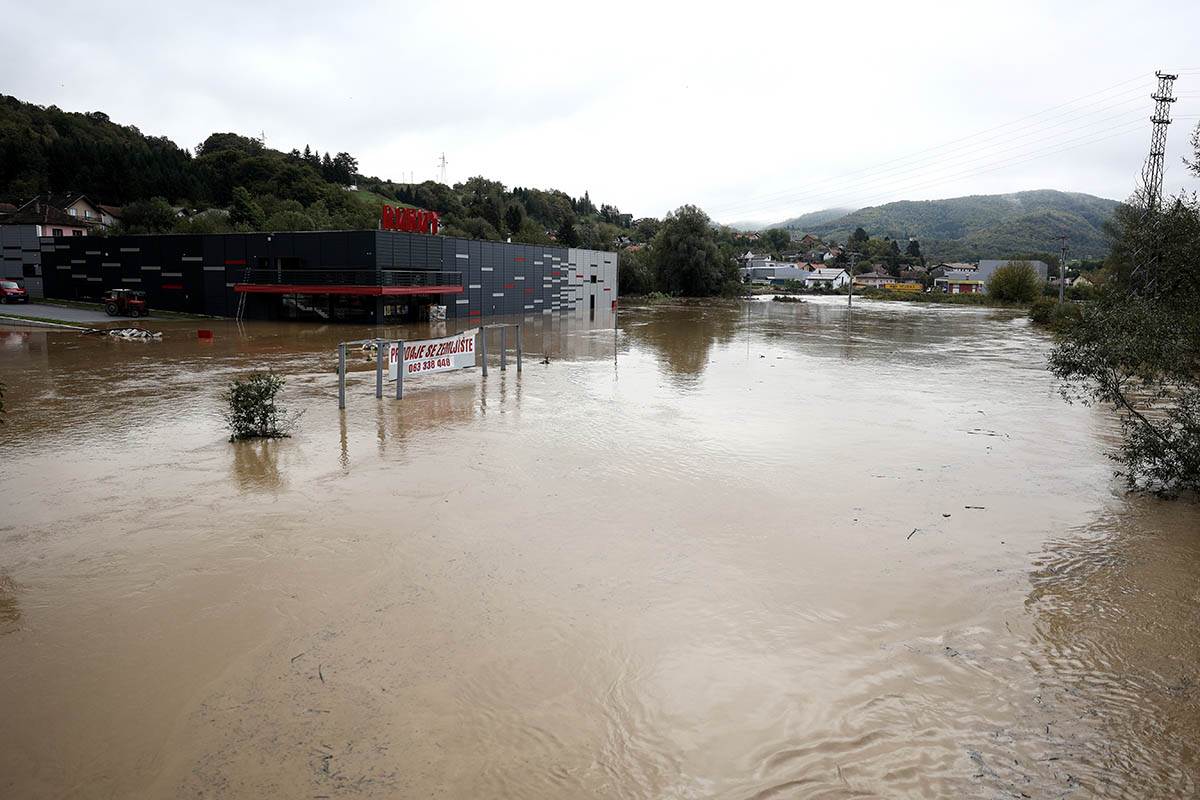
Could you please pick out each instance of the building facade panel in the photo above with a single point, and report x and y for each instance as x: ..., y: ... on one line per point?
x: 201, y: 273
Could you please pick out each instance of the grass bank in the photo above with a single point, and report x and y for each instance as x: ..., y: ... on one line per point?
x: 660, y: 299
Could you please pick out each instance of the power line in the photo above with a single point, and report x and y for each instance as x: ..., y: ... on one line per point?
x: 922, y: 163
x: 1010, y: 162
x: 898, y: 178
x: 985, y: 131
x: 783, y: 196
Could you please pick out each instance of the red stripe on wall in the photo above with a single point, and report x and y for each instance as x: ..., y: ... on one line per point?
x: 529, y: 291
x: 235, y: 262
x: 171, y: 286
x: 510, y: 286
x: 472, y: 313
x: 519, y: 258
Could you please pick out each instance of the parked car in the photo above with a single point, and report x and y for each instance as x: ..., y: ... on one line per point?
x: 11, y: 292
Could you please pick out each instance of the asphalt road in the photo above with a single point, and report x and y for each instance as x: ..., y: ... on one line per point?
x: 61, y: 313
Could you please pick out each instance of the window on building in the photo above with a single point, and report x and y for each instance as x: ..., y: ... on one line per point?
x: 87, y: 214
x: 58, y: 232
x: 77, y: 232
x: 593, y: 279
x: 71, y: 211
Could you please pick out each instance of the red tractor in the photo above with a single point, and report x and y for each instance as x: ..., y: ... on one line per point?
x: 125, y: 303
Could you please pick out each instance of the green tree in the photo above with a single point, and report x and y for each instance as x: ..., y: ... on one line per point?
x: 1015, y: 282
x: 636, y: 274
x: 531, y: 233
x: 776, y: 240
x: 687, y: 258
x: 858, y: 238
x: 245, y: 211
x: 914, y: 249
x: 514, y: 217
x: 644, y: 229
x: 566, y: 235
x: 148, y: 216
x: 1134, y: 347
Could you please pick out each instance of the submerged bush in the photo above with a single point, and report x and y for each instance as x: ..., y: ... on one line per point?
x: 1053, y: 314
x: 1017, y: 282
x: 252, y: 412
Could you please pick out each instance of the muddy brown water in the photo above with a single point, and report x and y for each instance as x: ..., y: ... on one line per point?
x: 767, y: 552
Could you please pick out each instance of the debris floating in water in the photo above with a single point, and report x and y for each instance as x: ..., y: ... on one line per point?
x: 140, y: 334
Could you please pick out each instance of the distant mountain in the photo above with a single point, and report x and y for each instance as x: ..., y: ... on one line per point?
x: 813, y: 219
x: 979, y: 226
x: 746, y: 226
x: 803, y: 222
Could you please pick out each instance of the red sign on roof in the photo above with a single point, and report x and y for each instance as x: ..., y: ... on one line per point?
x: 409, y: 220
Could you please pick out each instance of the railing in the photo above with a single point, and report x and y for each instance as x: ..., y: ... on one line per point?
x: 352, y: 277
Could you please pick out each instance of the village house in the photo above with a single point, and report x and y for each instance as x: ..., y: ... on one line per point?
x: 47, y: 219
x: 82, y: 208
x: 874, y: 280
x: 827, y: 278
x: 959, y: 284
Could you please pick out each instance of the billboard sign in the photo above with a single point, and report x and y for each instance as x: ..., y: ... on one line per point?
x: 409, y: 220
x: 433, y: 355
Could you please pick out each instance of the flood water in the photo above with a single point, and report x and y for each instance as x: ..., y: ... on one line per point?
x: 776, y: 551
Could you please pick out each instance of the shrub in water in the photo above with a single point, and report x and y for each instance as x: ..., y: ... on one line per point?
x: 1049, y: 312
x: 251, y: 411
x: 1017, y: 282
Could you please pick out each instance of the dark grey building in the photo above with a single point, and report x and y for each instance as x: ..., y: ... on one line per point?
x: 20, y: 257
x: 368, y: 276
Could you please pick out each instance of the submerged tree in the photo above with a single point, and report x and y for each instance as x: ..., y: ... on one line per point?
x: 687, y: 259
x: 1017, y: 282
x: 251, y: 409
x: 1136, y: 346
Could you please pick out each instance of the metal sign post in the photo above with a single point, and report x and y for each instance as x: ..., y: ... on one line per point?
x: 400, y: 369
x: 483, y: 347
x: 379, y: 368
x: 342, y: 375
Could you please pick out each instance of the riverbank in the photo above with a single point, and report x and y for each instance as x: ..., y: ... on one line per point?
x: 660, y: 299
x: 721, y: 301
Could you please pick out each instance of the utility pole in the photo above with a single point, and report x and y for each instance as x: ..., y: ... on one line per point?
x: 1062, y: 270
x: 850, y: 297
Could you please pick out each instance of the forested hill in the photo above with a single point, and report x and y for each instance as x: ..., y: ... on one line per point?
x: 234, y: 182
x: 982, y: 226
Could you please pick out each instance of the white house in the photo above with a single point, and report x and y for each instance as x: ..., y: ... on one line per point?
x: 827, y: 277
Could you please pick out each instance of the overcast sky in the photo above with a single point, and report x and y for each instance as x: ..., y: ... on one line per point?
x: 751, y: 111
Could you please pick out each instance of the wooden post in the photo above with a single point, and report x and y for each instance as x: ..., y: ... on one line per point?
x: 503, y: 348
x: 518, y: 348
